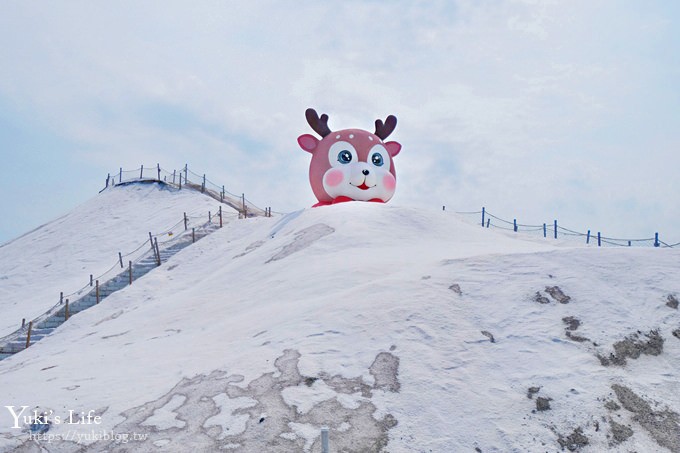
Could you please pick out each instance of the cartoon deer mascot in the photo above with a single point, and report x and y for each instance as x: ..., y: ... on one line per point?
x: 350, y: 164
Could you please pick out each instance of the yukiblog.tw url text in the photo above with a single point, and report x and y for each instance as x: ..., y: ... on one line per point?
x: 88, y: 437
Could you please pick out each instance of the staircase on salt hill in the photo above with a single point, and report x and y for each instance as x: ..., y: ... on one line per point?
x: 45, y: 324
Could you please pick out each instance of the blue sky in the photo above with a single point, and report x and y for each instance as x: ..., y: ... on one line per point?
x: 536, y: 110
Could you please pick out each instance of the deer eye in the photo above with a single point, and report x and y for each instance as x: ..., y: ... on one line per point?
x: 344, y: 157
x: 380, y: 157
x: 342, y: 153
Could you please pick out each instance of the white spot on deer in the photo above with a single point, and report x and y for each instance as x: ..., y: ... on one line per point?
x: 351, y: 135
x: 337, y: 136
x: 370, y: 138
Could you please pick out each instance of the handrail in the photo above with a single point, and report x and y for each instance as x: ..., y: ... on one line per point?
x: 185, y: 178
x: 554, y: 230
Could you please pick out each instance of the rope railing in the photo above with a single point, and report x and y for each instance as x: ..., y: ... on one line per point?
x: 554, y: 230
x: 183, y: 231
x: 187, y: 179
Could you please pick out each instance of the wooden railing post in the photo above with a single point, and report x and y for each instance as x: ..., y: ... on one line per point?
x: 193, y: 235
x: 28, y: 335
x: 97, y: 291
x: 130, y: 271
x: 186, y: 226
x: 220, y: 216
x: 120, y: 258
x: 153, y: 247
x: 66, y: 313
x: 158, y: 251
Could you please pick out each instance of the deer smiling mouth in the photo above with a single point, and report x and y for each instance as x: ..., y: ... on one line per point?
x: 363, y: 186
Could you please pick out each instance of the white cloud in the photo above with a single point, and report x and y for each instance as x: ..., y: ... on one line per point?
x: 527, y: 107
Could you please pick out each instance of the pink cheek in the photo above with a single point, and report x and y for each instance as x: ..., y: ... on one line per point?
x: 389, y: 182
x: 334, y: 178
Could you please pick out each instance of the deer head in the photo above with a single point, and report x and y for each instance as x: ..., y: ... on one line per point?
x: 350, y: 164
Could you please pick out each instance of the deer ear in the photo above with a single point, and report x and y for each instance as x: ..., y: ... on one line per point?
x: 308, y: 142
x: 393, y: 148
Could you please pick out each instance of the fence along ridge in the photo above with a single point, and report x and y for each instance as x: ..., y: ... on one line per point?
x: 185, y: 178
x: 554, y: 229
x: 206, y: 227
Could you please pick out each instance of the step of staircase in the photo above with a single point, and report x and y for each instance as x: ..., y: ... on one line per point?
x: 51, y: 323
x: 43, y: 332
x: 36, y: 335
x: 87, y: 299
x: 14, y: 347
x: 76, y: 310
x: 115, y: 286
x: 137, y: 275
x: 34, y: 338
x: 82, y: 304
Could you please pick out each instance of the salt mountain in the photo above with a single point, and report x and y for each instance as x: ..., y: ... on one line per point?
x: 399, y: 329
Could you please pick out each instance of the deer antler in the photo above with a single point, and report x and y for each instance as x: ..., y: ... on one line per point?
x: 384, y: 130
x: 320, y: 125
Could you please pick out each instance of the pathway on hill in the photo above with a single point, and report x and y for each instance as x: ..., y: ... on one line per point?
x: 185, y: 178
x: 156, y: 254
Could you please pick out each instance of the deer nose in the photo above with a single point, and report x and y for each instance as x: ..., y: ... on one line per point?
x: 365, y: 172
